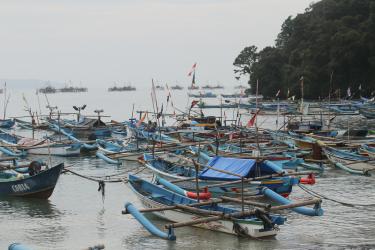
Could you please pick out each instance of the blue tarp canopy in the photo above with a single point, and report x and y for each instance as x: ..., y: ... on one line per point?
x: 237, y: 166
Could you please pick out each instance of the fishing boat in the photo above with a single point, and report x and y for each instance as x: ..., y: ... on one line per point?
x: 343, y: 109
x: 7, y: 123
x: 236, y: 95
x: 123, y: 88
x: 37, y: 146
x: 368, y: 112
x: 367, y: 150
x: 71, y: 89
x: 148, y: 132
x: 48, y: 147
x: 193, y: 87
x: 349, y: 161
x: 218, y: 170
x: 213, y: 87
x: 177, y: 87
x: 114, y: 146
x: 156, y: 197
x: 29, y: 125
x: 34, y: 184
x: 47, y: 90
x: 84, y: 126
x: 203, y: 95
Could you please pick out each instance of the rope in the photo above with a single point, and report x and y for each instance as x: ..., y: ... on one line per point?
x: 106, y: 178
x: 321, y: 196
x: 91, y: 178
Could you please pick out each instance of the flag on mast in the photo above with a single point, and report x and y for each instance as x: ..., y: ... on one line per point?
x: 252, y: 120
x: 141, y: 120
x: 193, y: 80
x: 192, y: 69
x: 193, y: 103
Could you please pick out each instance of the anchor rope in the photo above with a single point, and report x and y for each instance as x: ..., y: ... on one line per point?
x: 321, y: 196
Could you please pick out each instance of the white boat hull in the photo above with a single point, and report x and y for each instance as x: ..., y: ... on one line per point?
x: 253, y: 230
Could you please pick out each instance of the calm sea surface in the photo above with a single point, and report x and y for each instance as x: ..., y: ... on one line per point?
x: 77, y: 216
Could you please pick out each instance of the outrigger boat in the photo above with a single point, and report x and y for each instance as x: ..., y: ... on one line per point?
x: 12, y: 144
x: 256, y: 221
x: 218, y: 170
x: 153, y: 196
x: 7, y: 123
x: 349, y: 161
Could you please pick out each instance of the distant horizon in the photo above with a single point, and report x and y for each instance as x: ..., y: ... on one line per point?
x: 135, y: 41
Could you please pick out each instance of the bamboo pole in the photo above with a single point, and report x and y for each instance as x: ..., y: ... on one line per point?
x: 246, y: 202
x: 231, y: 216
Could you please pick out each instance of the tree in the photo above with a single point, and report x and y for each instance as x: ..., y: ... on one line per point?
x: 330, y: 36
x: 244, y: 61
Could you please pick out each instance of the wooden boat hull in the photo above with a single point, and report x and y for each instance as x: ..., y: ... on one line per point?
x: 282, y: 185
x: 56, y: 150
x: 7, y: 123
x: 355, y: 164
x: 38, y: 186
x: 253, y: 229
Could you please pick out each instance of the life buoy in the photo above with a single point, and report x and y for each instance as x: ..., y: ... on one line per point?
x: 202, y: 196
x: 205, y: 195
x: 309, y: 180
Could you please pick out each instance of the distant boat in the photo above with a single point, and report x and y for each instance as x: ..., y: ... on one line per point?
x: 236, y: 95
x: 203, y: 95
x: 240, y: 87
x: 177, y: 87
x: 212, y: 87
x: 193, y: 87
x: 7, y: 123
x: 71, y: 89
x: 47, y: 90
x: 368, y: 112
x: 123, y: 88
x: 159, y: 87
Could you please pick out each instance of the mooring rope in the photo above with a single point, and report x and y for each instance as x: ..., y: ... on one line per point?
x: 92, y: 178
x: 321, y: 196
x: 101, y: 181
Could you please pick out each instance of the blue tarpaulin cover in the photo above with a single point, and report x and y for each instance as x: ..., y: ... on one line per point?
x: 240, y: 167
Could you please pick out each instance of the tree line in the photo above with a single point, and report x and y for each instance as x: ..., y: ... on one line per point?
x: 330, y: 49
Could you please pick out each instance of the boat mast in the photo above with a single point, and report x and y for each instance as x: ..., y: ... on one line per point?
x: 256, y: 117
x: 5, y: 99
x: 329, y: 100
x: 301, y: 94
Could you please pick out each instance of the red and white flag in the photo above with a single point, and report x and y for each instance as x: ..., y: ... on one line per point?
x: 252, y: 120
x: 193, y: 103
x: 192, y: 69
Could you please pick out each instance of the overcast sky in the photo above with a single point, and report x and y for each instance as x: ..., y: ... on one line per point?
x: 100, y: 41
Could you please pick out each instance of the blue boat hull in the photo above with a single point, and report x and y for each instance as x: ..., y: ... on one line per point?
x: 7, y: 123
x: 40, y: 185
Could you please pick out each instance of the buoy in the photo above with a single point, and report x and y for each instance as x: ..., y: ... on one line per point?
x: 309, y: 180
